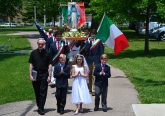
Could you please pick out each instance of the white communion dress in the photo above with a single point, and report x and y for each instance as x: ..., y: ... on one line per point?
x: 80, y: 92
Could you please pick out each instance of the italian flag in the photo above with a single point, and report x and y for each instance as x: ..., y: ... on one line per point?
x: 111, y: 35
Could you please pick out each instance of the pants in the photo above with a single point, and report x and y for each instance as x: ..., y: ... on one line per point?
x: 40, y: 88
x: 103, y: 92
x: 61, y: 94
x: 91, y: 79
x: 53, y: 80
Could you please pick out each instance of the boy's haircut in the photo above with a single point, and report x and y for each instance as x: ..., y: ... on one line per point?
x: 62, y: 56
x: 58, y: 33
x: 103, y: 55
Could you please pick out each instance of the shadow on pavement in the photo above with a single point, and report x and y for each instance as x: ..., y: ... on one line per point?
x: 28, y: 108
x: 118, y: 77
x: 67, y: 110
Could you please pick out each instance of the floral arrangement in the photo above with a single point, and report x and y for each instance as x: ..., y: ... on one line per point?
x: 73, y: 34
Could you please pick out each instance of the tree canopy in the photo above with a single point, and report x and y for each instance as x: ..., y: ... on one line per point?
x: 10, y: 8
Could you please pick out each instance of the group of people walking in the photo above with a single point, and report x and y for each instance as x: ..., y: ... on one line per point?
x: 52, y: 62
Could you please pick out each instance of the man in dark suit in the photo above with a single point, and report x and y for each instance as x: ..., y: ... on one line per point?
x: 95, y: 50
x: 56, y: 48
x: 61, y: 73
x: 102, y: 73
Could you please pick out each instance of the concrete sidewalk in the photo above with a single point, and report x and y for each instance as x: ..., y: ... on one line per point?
x: 121, y: 96
x: 149, y: 109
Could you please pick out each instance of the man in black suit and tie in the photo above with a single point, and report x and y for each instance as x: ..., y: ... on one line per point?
x: 102, y: 73
x: 61, y: 73
x: 56, y: 48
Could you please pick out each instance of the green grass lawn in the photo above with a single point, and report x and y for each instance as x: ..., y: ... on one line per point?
x: 6, y: 32
x: 146, y: 72
x: 14, y: 80
x: 15, y: 42
x: 21, y: 28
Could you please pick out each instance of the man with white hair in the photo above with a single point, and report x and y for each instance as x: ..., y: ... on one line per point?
x: 40, y: 73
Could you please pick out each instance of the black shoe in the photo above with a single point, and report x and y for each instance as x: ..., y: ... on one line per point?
x: 104, y: 110
x: 58, y: 110
x: 96, y: 109
x: 93, y: 93
x: 53, y: 85
x: 41, y: 112
x: 62, y: 112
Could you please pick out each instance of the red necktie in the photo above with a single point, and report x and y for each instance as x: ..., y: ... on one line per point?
x: 58, y: 45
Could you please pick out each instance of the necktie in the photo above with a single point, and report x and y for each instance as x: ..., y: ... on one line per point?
x: 58, y: 45
x: 103, y: 66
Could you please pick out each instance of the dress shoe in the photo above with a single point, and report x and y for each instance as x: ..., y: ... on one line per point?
x: 81, y: 110
x: 76, y: 112
x: 62, y: 112
x: 104, y: 110
x: 41, y: 112
x: 52, y: 85
x: 96, y: 109
x: 58, y: 110
x: 93, y: 93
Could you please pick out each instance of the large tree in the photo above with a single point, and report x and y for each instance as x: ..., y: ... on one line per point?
x: 143, y: 10
x: 10, y: 8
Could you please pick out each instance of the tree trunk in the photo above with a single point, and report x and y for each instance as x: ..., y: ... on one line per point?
x: 9, y: 20
x: 146, y: 46
x: 53, y: 21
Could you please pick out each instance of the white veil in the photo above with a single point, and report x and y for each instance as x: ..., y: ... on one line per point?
x: 85, y: 62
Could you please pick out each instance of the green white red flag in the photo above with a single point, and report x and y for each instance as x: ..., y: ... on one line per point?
x: 111, y: 35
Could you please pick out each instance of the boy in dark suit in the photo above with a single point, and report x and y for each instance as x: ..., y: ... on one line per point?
x: 102, y: 73
x: 61, y: 73
x: 56, y: 48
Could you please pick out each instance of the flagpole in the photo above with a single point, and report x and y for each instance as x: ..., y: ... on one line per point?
x: 101, y: 22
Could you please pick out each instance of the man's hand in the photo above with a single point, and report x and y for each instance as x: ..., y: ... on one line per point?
x: 102, y: 73
x: 49, y: 79
x: 79, y: 73
x: 31, y: 78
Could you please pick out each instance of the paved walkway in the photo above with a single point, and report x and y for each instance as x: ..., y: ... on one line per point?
x: 121, y: 96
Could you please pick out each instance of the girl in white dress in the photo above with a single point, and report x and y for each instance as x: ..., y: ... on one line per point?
x: 80, y: 92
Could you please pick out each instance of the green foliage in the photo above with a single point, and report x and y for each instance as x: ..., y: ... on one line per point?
x: 28, y: 10
x: 118, y: 10
x: 10, y: 8
x: 51, y: 9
